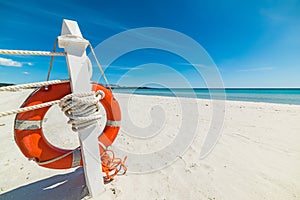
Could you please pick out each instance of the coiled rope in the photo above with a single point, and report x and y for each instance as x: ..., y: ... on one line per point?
x: 82, y: 109
x: 112, y: 166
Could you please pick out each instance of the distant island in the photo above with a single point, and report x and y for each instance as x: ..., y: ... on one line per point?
x: 5, y: 84
x: 114, y: 86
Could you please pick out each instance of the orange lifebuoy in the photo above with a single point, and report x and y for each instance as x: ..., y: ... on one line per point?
x: 29, y: 135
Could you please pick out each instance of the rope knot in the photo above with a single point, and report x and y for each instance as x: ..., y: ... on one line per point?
x: 82, y: 109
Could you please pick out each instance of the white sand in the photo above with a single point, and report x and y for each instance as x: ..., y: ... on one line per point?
x: 257, y: 156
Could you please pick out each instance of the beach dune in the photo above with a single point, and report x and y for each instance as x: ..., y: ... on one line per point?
x: 256, y: 157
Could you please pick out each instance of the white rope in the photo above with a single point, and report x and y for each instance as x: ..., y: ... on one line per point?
x: 82, y: 109
x: 29, y: 108
x: 54, y: 159
x: 51, y: 61
x: 99, y: 66
x: 30, y: 85
x: 35, y: 53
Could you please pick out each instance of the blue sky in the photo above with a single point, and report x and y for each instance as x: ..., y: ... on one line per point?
x: 253, y: 43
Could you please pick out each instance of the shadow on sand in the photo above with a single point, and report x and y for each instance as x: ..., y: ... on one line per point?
x: 66, y: 186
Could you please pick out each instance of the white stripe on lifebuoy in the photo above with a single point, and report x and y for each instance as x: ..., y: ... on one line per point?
x: 76, y: 158
x: 113, y: 123
x: 28, y: 124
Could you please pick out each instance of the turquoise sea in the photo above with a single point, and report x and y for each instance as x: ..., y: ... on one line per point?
x: 282, y: 96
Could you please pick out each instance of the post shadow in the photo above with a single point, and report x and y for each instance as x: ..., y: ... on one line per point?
x: 67, y: 186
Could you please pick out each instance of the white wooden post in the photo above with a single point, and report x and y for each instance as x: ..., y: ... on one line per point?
x: 75, y: 47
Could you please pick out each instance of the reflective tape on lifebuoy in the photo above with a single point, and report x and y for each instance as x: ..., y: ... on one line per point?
x: 28, y: 130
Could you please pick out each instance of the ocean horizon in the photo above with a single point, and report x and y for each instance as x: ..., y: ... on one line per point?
x: 267, y: 95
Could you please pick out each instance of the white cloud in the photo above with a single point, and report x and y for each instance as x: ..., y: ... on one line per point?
x: 26, y: 73
x: 30, y: 63
x: 9, y: 62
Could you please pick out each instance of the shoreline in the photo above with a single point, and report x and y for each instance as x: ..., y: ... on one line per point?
x: 226, y: 100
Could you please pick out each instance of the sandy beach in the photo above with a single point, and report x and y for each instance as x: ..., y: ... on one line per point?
x: 256, y: 157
